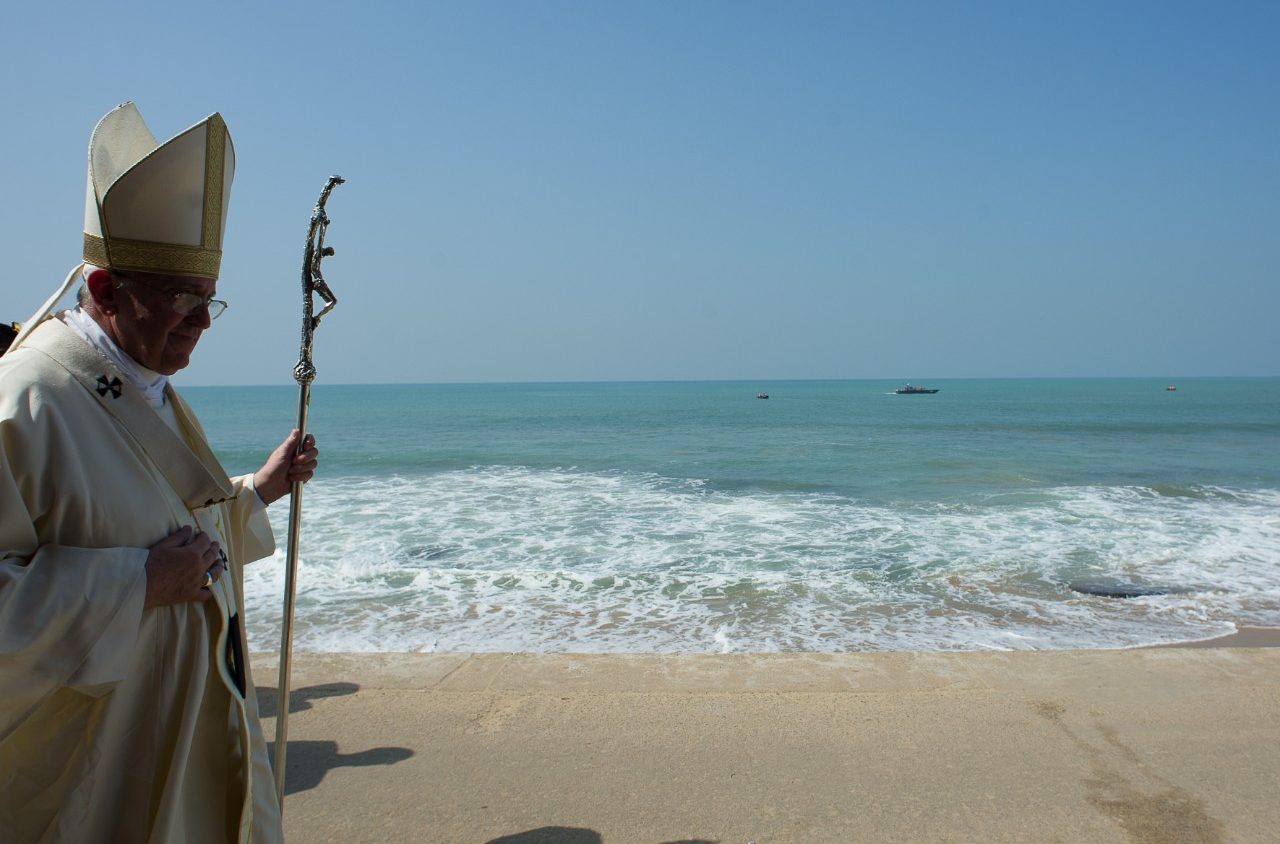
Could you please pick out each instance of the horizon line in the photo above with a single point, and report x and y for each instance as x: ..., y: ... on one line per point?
x: 919, y: 381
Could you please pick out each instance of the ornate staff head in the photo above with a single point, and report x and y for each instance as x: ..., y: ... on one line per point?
x: 313, y: 283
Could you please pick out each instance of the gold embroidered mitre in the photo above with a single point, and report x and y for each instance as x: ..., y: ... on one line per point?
x: 158, y: 208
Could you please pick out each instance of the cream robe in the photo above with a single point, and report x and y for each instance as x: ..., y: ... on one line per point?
x: 118, y: 725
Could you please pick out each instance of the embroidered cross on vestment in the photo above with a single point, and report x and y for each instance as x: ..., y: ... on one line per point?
x: 112, y: 387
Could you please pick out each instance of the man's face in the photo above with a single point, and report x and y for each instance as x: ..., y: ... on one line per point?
x: 146, y: 325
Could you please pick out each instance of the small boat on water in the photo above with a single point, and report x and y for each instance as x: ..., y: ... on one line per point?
x: 762, y: 395
x: 914, y: 391
x: 1169, y: 389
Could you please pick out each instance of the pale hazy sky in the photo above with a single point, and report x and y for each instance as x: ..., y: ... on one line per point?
x: 612, y: 191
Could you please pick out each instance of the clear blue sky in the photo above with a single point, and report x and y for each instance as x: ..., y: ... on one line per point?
x: 662, y: 190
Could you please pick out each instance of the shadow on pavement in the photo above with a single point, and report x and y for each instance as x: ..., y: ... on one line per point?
x: 307, y: 762
x: 299, y: 699
x: 569, y: 835
x: 551, y: 835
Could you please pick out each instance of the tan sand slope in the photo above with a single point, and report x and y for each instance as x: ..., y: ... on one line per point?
x: 1143, y: 745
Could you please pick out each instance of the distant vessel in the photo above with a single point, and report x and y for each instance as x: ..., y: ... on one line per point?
x: 1170, y: 388
x: 762, y: 395
x: 914, y: 391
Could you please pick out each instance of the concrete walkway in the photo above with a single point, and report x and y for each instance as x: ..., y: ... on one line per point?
x: 1092, y: 746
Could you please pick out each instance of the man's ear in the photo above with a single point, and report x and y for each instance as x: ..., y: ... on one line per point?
x: 103, y: 291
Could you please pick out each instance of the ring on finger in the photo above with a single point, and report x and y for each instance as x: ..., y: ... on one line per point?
x: 208, y: 580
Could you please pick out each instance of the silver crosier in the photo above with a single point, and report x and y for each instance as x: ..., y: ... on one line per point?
x: 313, y: 284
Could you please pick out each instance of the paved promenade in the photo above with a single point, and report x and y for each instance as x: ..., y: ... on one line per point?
x: 1092, y: 746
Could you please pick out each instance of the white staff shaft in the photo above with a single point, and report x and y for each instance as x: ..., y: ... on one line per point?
x: 290, y: 591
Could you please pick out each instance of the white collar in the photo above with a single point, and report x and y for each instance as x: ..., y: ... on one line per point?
x: 150, y: 383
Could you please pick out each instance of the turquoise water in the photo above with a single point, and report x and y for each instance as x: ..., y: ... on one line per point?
x: 693, y: 517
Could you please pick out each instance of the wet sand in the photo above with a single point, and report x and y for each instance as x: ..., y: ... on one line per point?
x: 1140, y: 745
x: 1244, y: 637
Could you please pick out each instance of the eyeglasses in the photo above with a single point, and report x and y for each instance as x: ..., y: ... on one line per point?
x: 182, y: 301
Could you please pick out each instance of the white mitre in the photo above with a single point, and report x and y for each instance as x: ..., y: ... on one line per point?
x: 152, y: 207
x: 157, y: 208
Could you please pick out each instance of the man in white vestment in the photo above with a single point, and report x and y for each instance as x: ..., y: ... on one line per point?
x: 127, y: 707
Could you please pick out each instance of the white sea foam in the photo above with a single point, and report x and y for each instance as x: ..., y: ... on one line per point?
x: 512, y: 559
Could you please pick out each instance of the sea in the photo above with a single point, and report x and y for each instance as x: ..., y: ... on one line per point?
x: 833, y: 516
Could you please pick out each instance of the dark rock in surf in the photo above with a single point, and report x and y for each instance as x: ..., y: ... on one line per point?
x: 1122, y: 590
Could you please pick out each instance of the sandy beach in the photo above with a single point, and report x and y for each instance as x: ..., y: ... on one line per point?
x: 1150, y: 745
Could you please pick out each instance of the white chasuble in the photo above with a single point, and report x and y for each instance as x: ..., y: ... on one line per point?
x: 119, y: 724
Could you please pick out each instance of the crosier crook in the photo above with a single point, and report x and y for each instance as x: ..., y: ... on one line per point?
x: 313, y: 284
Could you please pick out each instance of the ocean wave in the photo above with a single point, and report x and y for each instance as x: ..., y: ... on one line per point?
x: 518, y: 559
